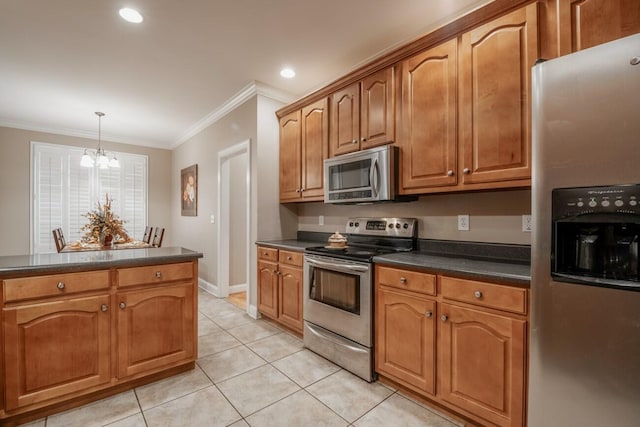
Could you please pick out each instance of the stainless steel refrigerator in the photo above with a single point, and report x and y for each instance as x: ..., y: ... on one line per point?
x: 584, y: 367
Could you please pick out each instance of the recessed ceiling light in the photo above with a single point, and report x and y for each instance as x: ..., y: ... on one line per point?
x: 130, y: 15
x: 287, y: 73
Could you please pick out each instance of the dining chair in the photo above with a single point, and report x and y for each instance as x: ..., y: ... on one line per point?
x: 148, y: 232
x: 58, y: 239
x: 157, y: 237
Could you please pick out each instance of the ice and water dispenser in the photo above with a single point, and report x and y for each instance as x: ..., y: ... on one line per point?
x: 595, y: 236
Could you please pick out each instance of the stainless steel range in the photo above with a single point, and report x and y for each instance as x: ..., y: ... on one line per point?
x: 338, y: 290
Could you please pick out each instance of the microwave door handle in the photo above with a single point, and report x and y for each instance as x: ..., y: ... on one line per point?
x: 374, y: 177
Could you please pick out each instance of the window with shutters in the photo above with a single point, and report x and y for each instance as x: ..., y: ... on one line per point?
x: 63, y: 191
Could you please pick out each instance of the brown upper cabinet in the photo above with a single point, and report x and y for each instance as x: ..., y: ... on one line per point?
x: 495, y: 120
x: 304, y: 143
x: 428, y: 136
x: 573, y: 25
x: 362, y: 114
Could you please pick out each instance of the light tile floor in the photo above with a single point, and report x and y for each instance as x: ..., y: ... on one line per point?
x: 251, y: 373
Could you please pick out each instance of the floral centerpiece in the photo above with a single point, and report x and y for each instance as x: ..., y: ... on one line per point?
x: 104, y: 226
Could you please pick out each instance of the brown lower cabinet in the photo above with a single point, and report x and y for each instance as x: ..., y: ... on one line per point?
x: 63, y: 341
x: 280, y: 286
x: 462, y: 346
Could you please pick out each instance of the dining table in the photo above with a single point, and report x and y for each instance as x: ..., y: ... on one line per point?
x: 79, y: 246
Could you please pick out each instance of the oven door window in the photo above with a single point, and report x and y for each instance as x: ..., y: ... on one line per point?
x: 337, y: 289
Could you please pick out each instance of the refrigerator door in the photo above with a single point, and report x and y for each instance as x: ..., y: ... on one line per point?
x: 585, y: 340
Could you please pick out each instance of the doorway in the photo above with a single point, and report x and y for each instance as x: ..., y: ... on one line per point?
x: 234, y: 207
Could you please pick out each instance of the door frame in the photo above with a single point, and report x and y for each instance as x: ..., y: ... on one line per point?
x: 224, y: 216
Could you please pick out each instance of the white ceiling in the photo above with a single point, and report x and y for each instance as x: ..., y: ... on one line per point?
x: 62, y: 60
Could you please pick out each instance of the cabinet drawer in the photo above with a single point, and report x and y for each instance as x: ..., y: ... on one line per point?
x: 290, y: 258
x: 485, y: 294
x: 409, y: 280
x: 268, y: 254
x: 154, y: 274
x: 54, y: 285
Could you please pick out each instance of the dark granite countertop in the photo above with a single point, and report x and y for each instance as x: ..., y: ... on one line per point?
x: 290, y: 244
x: 86, y: 260
x: 479, y: 269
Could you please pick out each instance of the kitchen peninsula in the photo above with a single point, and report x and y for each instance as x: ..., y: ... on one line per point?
x: 77, y: 327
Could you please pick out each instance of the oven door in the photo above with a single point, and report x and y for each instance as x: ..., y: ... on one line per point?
x: 337, y: 297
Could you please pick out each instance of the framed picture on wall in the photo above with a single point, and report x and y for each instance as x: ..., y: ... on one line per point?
x: 189, y: 193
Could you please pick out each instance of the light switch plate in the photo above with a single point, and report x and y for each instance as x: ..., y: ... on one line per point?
x: 463, y: 222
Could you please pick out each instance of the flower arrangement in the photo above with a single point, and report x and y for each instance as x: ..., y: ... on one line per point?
x: 104, y: 225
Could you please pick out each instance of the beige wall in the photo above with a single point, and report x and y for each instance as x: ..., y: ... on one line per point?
x: 494, y: 216
x: 15, y: 176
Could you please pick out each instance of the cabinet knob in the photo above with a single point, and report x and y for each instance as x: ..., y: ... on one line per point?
x: 104, y: 307
x: 477, y: 294
x: 301, y: 190
x: 297, y: 190
x: 158, y: 274
x: 466, y: 171
x: 122, y: 305
x: 288, y: 258
x: 449, y: 173
x: 60, y: 285
x: 444, y: 317
x: 635, y: 60
x: 363, y: 139
x: 403, y: 280
x: 428, y: 313
x: 355, y: 141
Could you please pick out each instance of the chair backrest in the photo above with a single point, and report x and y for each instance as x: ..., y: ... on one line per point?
x: 157, y: 237
x: 58, y: 239
x: 147, y: 234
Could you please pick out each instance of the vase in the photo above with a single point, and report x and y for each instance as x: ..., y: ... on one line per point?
x: 107, y: 239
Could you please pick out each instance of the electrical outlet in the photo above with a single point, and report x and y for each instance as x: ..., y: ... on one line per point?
x: 321, y: 220
x: 527, y: 225
x: 463, y: 222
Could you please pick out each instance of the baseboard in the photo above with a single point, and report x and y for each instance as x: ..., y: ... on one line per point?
x: 208, y: 287
x: 240, y: 287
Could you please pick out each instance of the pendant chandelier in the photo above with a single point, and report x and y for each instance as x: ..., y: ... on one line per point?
x: 99, y: 157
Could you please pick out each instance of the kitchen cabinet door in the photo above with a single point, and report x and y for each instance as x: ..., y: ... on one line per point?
x: 405, y: 339
x: 377, y: 109
x: 156, y: 328
x: 55, y: 349
x: 482, y: 363
x: 495, y: 123
x: 290, y: 297
x: 290, y: 158
x: 315, y: 148
x: 345, y: 121
x: 268, y: 289
x: 586, y: 23
x: 429, y: 127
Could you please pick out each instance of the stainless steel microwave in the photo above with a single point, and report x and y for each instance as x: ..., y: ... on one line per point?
x: 363, y: 177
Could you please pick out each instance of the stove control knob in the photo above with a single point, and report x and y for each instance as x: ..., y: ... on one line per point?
x: 357, y: 224
x: 405, y: 226
x: 351, y: 224
x: 390, y: 225
x: 397, y: 225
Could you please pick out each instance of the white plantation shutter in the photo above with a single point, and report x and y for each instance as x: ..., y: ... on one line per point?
x: 63, y: 191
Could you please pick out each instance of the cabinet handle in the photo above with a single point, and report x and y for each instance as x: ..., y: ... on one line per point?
x: 104, y: 307
x: 428, y: 313
x: 158, y: 274
x: 449, y: 173
x: 403, y: 280
x: 355, y: 141
x: 60, y: 285
x: 444, y: 317
x: 477, y: 294
x: 122, y: 305
x: 363, y: 139
x: 466, y: 171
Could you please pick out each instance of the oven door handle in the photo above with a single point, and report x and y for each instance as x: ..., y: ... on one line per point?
x: 339, y: 267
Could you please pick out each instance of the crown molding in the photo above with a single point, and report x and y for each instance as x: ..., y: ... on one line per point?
x: 246, y: 93
x: 79, y: 134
